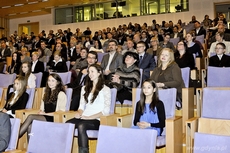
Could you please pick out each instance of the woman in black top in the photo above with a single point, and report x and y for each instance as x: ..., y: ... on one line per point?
x: 18, y: 98
x: 182, y: 57
x: 15, y: 64
x: 58, y: 64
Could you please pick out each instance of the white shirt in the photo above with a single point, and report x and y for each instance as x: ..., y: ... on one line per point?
x: 213, y: 46
x: 111, y: 55
x: 31, y: 83
x: 55, y: 63
x: 220, y: 56
x: 71, y: 51
x: 33, y: 65
x: 101, y: 103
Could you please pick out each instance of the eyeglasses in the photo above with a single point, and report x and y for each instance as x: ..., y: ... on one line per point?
x: 91, y: 57
x: 218, y: 48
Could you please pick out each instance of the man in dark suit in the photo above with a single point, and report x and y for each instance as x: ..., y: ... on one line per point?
x: 36, y: 44
x: 4, y: 52
x: 5, y: 131
x: 50, y: 41
x: 37, y: 66
x: 199, y: 30
x: 220, y: 59
x: 80, y: 80
x: 111, y: 61
x: 146, y: 61
x: 176, y: 34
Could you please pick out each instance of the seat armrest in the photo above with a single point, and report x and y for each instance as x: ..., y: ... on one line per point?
x: 191, y: 128
x: 62, y: 117
x: 23, y: 113
x: 109, y: 119
x: 188, y: 104
x: 203, y: 76
x: 125, y: 121
x: 174, y: 134
x: 199, y: 96
x: 15, y: 151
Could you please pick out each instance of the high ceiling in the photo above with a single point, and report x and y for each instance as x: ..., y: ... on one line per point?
x: 24, y: 8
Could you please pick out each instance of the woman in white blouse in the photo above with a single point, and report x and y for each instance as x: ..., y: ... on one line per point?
x: 97, y: 47
x: 95, y: 101
x: 54, y: 99
x: 30, y: 77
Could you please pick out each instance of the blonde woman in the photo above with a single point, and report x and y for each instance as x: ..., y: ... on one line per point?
x: 18, y: 98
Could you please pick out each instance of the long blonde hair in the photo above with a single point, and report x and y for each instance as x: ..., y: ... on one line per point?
x: 22, y: 80
x: 171, y: 57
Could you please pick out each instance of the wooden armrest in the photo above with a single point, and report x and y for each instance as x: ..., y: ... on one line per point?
x: 203, y: 75
x: 199, y: 95
x: 125, y: 120
x: 174, y: 134
x: 62, y: 117
x: 191, y: 128
x: 188, y: 104
x: 214, y: 126
x: 109, y: 120
x: 14, y: 151
x: 23, y: 113
x: 194, y: 74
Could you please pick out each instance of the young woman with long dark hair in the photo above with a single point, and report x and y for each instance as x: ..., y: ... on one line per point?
x: 95, y: 101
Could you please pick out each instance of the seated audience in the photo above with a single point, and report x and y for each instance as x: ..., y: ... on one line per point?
x: 146, y: 61
x: 166, y: 43
x: 5, y: 52
x: 111, y: 61
x: 15, y: 64
x: 155, y: 48
x: 130, y: 47
x: 126, y: 77
x: 17, y: 99
x: 58, y: 64
x: 47, y: 52
x: 41, y: 55
x: 176, y: 33
x: 54, y: 99
x: 193, y: 47
x: 168, y: 73
x: 97, y: 47
x: 24, y: 57
x: 182, y: 57
x: 80, y: 80
x: 220, y: 59
x: 150, y: 111
x: 95, y: 102
x: 81, y: 62
x: 37, y: 66
x: 219, y: 39
x: 26, y: 71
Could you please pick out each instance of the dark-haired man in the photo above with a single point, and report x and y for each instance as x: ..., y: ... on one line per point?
x: 111, y: 61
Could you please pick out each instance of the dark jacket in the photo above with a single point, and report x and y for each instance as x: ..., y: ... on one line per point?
x: 19, y: 104
x: 172, y: 76
x: 39, y: 67
x: 187, y: 60
x: 59, y: 67
x: 147, y: 64
x: 215, y: 61
x: 5, y: 131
